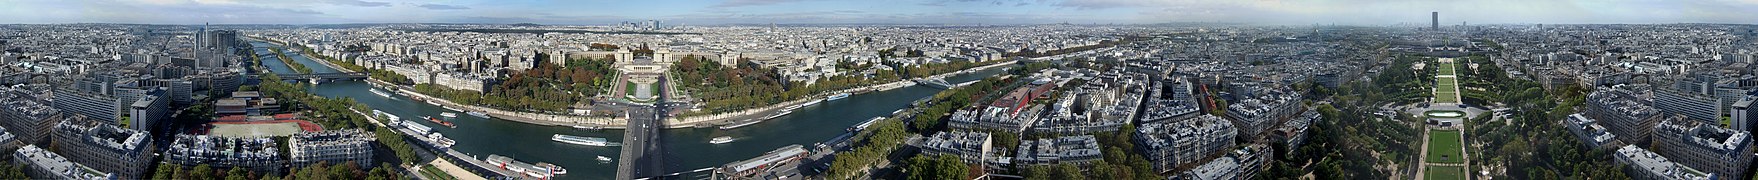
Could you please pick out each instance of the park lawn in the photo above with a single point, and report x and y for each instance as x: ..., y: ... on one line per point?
x: 631, y: 88
x: 1446, y: 90
x: 1445, y: 172
x: 435, y: 173
x: 1445, y: 98
x: 1444, y: 143
x: 1444, y: 69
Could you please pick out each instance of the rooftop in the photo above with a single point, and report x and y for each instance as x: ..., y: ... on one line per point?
x: 1645, y: 160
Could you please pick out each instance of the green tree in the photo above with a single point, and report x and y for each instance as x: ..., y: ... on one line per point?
x: 237, y: 173
x: 1068, y: 172
x: 347, y: 170
x: 926, y: 167
x: 1037, y: 172
x: 12, y: 171
x: 202, y: 172
x: 167, y: 171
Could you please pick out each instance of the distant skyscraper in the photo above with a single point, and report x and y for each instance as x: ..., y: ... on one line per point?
x: 1434, y: 21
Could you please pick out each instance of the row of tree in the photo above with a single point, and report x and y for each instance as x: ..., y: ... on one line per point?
x: 545, y: 88
x: 1121, y: 161
x: 320, y: 170
x: 296, y: 66
x: 945, y: 103
x: 870, y: 147
x: 1534, y: 145
x: 878, y: 142
x: 748, y: 85
x: 334, y: 113
x: 379, y: 74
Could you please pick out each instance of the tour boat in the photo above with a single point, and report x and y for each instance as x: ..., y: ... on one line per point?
x: 441, y: 140
x: 721, y: 140
x: 746, y: 123
x: 449, y: 114
x: 518, y: 167
x: 808, y: 103
x: 779, y: 114
x: 438, y: 121
x: 836, y: 97
x: 380, y: 93
x: 479, y: 114
x: 863, y: 125
x: 553, y: 169
x: 589, y: 141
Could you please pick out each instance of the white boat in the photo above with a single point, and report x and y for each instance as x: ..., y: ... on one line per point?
x: 380, y: 93
x: 782, y: 113
x: 836, y: 97
x: 746, y: 123
x: 808, y: 103
x: 441, y: 140
x: 449, y: 114
x: 721, y: 140
x: 602, y: 158
x: 553, y: 169
x: 515, y: 166
x: 863, y: 125
x: 589, y: 141
x: 477, y: 114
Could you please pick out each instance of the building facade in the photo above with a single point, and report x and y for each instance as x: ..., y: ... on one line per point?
x: 148, y: 111
x: 1643, y: 164
x: 26, y: 117
x: 1168, y: 145
x: 1589, y: 132
x: 40, y: 163
x: 107, y: 148
x: 333, y: 146
x: 1631, y: 120
x: 1741, y: 115
x: 1695, y: 106
x: 1706, y: 147
x: 1083, y: 149
x: 972, y: 147
x: 98, y: 107
x: 256, y: 154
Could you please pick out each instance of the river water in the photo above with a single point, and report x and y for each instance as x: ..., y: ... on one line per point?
x: 687, y: 149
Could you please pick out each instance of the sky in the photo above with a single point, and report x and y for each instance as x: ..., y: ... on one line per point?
x: 963, y: 12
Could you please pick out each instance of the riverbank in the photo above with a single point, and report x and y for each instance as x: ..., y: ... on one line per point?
x: 307, y: 53
x: 607, y: 122
x: 756, y: 115
x: 522, y: 117
x: 441, y: 163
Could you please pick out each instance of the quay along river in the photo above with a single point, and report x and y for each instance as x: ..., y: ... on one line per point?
x: 686, y: 149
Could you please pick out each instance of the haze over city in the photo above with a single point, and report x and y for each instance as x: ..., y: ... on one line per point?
x: 717, y: 12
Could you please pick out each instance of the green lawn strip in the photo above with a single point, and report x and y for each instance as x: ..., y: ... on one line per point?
x: 1445, y: 172
x: 435, y: 173
x: 1445, y: 98
x: 1443, y: 147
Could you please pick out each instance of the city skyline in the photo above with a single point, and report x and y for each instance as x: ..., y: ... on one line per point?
x: 719, y: 12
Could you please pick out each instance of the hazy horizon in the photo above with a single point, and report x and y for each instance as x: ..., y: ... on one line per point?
x: 962, y: 12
